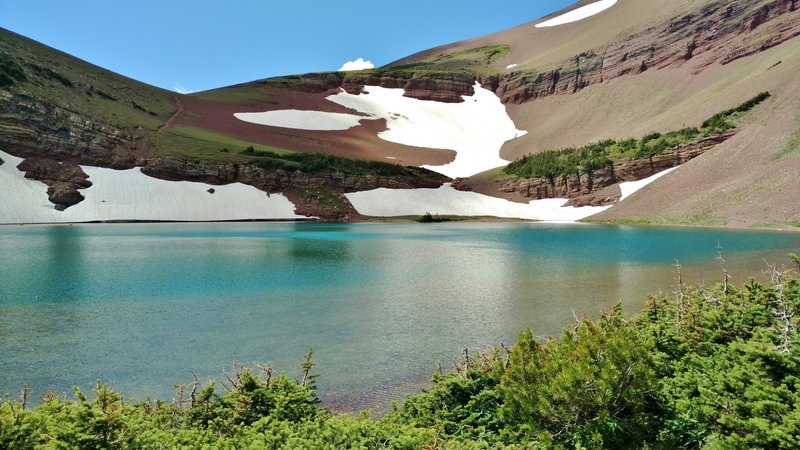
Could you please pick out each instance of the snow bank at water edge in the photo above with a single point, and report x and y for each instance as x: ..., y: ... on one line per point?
x: 629, y: 187
x: 448, y: 201
x: 475, y: 129
x: 132, y: 195
x: 578, y: 14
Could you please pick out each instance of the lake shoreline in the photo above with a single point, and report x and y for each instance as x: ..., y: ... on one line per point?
x: 411, y: 219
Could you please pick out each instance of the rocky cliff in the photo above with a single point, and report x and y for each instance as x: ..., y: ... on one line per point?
x: 307, y: 190
x: 276, y: 180
x: 440, y: 87
x: 447, y: 87
x: 318, y: 194
x: 35, y: 127
x: 719, y: 33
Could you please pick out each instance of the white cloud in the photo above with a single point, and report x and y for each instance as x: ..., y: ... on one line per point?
x: 358, y: 64
x: 182, y: 90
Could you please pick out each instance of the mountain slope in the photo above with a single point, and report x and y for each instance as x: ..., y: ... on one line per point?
x: 632, y: 69
x: 58, y: 112
x: 615, y: 76
x: 65, y: 107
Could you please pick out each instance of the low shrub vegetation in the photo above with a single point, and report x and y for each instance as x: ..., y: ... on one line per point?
x: 711, y: 368
x: 432, y: 218
x: 317, y: 162
x: 10, y: 71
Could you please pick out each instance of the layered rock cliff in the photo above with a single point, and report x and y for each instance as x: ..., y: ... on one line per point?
x: 719, y: 33
x: 277, y: 180
x: 35, y: 127
x: 318, y: 194
x: 446, y: 87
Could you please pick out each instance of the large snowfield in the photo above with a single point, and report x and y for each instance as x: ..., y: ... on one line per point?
x: 132, y: 195
x: 578, y: 14
x: 475, y: 128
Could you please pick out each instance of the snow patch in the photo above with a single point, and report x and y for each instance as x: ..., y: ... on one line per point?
x: 303, y: 120
x: 182, y: 90
x: 578, y: 14
x: 475, y: 128
x: 446, y: 200
x: 132, y: 195
x: 629, y: 187
x: 358, y: 64
x: 511, y: 66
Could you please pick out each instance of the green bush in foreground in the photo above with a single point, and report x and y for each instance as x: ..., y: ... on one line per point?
x: 717, y: 369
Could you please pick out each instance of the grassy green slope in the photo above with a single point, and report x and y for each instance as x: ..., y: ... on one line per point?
x: 39, y: 81
x: 48, y: 78
x: 476, y: 60
x: 81, y: 87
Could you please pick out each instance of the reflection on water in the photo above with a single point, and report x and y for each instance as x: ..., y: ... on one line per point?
x: 143, y: 306
x: 62, y: 262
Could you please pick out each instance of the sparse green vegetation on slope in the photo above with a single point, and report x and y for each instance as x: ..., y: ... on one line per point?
x: 197, y: 143
x: 79, y: 87
x: 10, y: 71
x: 474, y: 60
x: 591, y: 157
x: 316, y: 162
x: 700, y: 368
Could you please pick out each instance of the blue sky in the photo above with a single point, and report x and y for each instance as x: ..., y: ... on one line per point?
x: 202, y: 44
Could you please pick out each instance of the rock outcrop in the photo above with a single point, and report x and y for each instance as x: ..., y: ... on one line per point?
x: 318, y: 194
x: 440, y: 87
x: 446, y: 87
x: 278, y: 180
x: 63, y: 180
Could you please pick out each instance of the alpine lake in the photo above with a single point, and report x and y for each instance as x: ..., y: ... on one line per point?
x: 142, y: 307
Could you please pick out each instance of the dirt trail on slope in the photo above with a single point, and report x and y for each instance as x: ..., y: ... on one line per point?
x: 168, y: 124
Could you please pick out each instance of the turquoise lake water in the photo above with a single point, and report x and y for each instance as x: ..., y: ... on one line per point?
x: 142, y: 306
